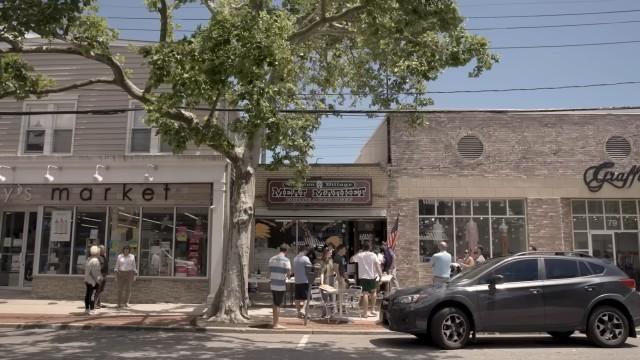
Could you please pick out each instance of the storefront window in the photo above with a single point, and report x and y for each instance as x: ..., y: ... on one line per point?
x: 90, y: 230
x: 191, y: 234
x: 156, y: 245
x: 124, y: 230
x: 270, y: 234
x: 496, y: 226
x: 55, y: 250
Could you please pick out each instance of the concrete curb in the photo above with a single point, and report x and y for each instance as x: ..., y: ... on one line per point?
x: 201, y: 329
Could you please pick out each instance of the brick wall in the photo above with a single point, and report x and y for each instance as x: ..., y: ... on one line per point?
x: 145, y: 290
x: 544, y: 223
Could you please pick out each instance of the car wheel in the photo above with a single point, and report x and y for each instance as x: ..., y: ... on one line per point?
x: 450, y: 328
x: 607, y: 327
x: 560, y: 335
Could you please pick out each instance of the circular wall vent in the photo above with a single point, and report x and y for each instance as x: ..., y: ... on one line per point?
x: 618, y: 148
x: 470, y: 147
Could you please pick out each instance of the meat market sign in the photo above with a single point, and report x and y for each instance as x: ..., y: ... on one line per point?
x: 319, y: 192
x: 595, y: 177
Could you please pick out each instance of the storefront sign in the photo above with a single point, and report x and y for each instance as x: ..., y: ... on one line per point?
x: 320, y: 192
x: 596, y: 176
x: 106, y: 194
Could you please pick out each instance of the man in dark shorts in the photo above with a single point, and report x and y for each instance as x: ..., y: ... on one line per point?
x: 368, y: 270
x: 302, y: 266
x: 280, y: 268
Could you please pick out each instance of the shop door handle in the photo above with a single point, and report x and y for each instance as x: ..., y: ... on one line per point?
x: 535, y: 291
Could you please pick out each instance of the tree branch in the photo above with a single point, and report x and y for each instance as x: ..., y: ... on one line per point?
x: 311, y: 30
x: 210, y: 5
x: 119, y: 76
x: 60, y: 89
x: 12, y: 42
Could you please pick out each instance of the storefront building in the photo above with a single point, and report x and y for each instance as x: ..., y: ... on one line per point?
x: 506, y: 181
x: 338, y: 204
x: 71, y: 180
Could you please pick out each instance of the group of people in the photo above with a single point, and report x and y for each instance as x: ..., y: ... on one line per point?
x: 95, y: 277
x: 442, y: 264
x: 332, y: 270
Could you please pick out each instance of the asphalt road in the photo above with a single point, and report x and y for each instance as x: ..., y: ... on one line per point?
x: 103, y: 344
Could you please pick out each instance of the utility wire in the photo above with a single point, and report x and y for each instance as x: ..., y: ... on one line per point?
x: 564, y: 45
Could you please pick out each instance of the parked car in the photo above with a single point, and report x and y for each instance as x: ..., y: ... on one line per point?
x: 557, y: 293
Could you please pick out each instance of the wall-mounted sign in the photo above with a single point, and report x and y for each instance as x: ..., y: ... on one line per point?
x: 106, y: 194
x: 319, y: 192
x: 596, y: 176
x: 60, y: 227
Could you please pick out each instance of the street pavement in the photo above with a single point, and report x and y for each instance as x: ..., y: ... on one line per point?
x: 121, y: 344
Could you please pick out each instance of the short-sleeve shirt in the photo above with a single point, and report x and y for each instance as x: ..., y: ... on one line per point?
x: 279, y: 267
x: 368, y: 265
x: 301, y: 265
x: 441, y: 263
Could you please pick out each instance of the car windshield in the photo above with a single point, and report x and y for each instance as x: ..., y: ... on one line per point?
x: 473, y: 272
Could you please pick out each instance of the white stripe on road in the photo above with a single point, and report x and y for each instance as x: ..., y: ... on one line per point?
x: 303, y: 341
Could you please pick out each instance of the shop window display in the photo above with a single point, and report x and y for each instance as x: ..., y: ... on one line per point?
x: 55, y: 246
x: 156, y: 242
x: 498, y: 226
x: 191, y: 234
x: 90, y: 230
x: 124, y: 230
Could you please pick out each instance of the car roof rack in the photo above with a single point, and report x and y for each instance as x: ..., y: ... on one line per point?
x: 557, y: 253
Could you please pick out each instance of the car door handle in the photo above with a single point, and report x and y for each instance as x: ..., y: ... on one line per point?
x: 535, y: 291
x: 589, y: 288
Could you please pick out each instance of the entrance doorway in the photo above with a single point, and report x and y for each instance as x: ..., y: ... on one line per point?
x: 17, y: 248
x: 621, y: 248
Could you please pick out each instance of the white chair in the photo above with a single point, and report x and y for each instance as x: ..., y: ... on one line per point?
x: 317, y: 301
x: 352, y: 300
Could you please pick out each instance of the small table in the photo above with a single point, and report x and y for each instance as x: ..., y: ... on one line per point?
x: 340, y: 294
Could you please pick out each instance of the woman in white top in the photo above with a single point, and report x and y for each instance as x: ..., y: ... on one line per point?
x: 125, y: 270
x: 92, y: 279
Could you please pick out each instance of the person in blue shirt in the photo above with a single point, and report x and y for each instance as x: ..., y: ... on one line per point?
x: 441, y: 264
x: 302, y: 271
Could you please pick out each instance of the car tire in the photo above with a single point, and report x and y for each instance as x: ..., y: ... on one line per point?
x: 560, y: 335
x: 607, y: 327
x: 450, y: 328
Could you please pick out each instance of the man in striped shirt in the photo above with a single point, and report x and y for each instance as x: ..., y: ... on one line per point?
x: 280, y: 268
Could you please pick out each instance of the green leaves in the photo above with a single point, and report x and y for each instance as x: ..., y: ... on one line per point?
x: 17, y: 78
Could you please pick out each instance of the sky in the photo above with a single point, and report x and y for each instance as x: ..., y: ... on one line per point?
x: 339, y: 140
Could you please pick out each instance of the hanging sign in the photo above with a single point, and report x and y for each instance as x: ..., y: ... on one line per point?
x: 319, y: 192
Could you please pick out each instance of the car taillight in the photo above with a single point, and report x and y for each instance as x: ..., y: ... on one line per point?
x: 630, y: 283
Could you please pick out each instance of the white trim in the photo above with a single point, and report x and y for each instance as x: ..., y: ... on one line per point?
x: 154, y: 146
x: 48, y: 141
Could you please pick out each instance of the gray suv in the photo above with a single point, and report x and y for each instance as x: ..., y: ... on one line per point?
x: 557, y: 293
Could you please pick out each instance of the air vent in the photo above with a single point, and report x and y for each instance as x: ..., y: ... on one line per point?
x: 618, y: 148
x: 470, y: 147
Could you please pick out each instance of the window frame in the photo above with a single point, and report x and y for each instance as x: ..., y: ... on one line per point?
x: 155, y: 143
x: 49, y: 130
x: 577, y: 269
x: 490, y: 273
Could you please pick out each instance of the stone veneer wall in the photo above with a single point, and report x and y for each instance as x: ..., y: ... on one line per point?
x: 145, y: 290
x: 544, y: 223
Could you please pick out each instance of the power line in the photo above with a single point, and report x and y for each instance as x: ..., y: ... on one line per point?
x: 564, y: 45
x: 536, y: 3
x: 112, y: 111
x: 551, y: 26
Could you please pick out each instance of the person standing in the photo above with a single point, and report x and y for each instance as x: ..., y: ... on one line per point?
x: 389, y: 266
x: 479, y: 255
x: 340, y: 263
x: 92, y: 280
x: 302, y: 268
x: 441, y: 264
x: 126, y: 271
x: 368, y: 270
x: 104, y: 269
x: 280, y: 268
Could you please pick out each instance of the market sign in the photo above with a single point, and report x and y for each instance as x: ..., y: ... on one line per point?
x: 596, y: 176
x: 319, y: 192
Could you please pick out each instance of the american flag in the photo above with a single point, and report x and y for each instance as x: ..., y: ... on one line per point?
x: 393, y: 236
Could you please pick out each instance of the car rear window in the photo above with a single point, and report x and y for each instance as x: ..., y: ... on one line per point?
x: 561, y: 268
x: 585, y: 270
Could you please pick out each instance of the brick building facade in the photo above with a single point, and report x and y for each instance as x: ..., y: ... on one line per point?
x: 510, y: 180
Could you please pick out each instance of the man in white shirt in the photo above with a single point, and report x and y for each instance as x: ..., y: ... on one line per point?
x: 368, y: 270
x: 441, y: 264
x: 279, y: 269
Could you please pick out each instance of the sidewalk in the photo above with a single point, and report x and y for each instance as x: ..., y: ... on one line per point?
x: 28, y: 313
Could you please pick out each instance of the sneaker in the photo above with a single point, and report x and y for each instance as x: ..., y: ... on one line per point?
x: 93, y: 312
x: 87, y: 312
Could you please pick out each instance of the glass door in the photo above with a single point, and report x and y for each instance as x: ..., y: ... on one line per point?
x: 627, y: 254
x: 17, y: 248
x: 602, y: 246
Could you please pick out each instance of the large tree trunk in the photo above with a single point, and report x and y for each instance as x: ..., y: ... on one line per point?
x: 231, y: 303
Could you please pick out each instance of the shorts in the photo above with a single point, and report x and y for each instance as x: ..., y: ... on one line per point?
x: 368, y: 285
x: 302, y: 292
x: 278, y: 297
